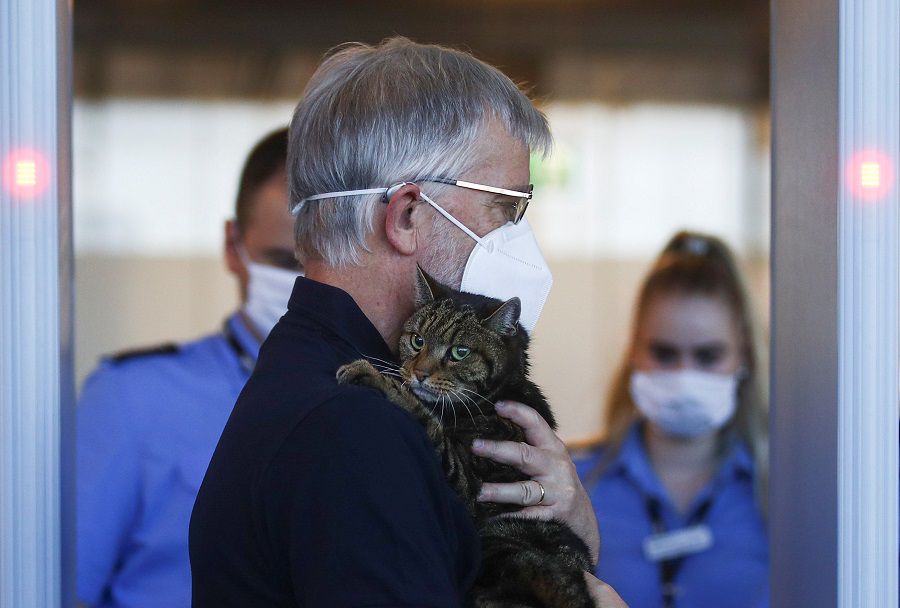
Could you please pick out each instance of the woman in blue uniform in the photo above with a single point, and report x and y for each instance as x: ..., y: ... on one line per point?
x: 679, y: 484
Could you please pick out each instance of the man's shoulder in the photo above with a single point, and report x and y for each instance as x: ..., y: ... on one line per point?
x: 357, y: 443
x: 354, y: 410
x: 357, y: 423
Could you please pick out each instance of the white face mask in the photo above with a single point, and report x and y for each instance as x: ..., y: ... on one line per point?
x: 505, y: 263
x: 685, y: 403
x: 268, y: 292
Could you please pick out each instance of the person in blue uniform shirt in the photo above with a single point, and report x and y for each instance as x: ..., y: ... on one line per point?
x: 679, y: 484
x: 148, y: 420
x: 327, y: 495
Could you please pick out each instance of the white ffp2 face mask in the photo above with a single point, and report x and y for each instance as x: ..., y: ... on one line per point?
x: 268, y: 292
x: 685, y: 403
x: 506, y: 263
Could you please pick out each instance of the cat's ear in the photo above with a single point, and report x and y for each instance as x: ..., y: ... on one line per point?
x: 504, y: 319
x: 427, y: 289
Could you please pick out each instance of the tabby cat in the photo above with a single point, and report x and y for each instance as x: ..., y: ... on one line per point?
x: 460, y: 353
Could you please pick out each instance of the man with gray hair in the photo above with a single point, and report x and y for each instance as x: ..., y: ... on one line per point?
x: 322, y: 494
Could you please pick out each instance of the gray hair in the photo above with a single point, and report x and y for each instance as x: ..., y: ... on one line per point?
x: 372, y: 116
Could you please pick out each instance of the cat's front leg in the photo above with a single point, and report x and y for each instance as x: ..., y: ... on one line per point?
x: 363, y: 373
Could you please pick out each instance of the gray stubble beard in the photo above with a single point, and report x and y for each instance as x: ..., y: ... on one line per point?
x: 446, y: 259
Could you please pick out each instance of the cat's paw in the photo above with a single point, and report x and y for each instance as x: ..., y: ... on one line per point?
x: 357, y: 372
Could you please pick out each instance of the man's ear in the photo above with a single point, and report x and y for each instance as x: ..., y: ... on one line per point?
x: 427, y: 289
x: 504, y: 319
x: 403, y: 219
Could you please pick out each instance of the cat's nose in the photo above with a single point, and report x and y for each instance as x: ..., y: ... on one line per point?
x: 421, y: 375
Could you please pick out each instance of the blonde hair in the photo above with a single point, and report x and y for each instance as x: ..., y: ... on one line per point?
x: 697, y: 264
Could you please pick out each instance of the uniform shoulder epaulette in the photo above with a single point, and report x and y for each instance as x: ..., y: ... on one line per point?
x: 168, y: 348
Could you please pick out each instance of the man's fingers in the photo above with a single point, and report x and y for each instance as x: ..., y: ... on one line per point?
x: 603, y: 595
x: 537, y: 432
x: 526, y: 458
x: 528, y: 493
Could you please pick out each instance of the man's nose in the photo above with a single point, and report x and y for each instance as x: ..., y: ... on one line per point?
x: 421, y: 374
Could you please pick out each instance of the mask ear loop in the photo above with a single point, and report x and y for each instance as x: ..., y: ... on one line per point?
x: 238, y: 238
x: 317, y: 197
x: 391, y: 191
x: 243, y: 256
x: 456, y: 222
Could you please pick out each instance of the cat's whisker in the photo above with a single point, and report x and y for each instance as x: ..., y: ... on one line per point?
x: 458, y: 395
x: 385, y: 365
x: 373, y: 357
x: 477, y: 394
x: 476, y: 407
x: 382, y: 366
x: 466, y: 397
x: 382, y: 361
x: 388, y: 371
x: 462, y: 401
x: 480, y: 396
x: 430, y: 406
x: 452, y: 408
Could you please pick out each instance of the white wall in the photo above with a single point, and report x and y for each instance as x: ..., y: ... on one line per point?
x: 155, y: 180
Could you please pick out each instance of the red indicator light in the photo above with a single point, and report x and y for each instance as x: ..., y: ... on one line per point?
x: 870, y: 175
x: 26, y: 174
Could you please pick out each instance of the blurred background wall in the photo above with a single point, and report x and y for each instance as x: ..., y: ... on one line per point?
x: 659, y: 110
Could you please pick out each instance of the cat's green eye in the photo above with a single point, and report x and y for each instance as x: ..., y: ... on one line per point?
x: 416, y: 342
x: 458, y: 353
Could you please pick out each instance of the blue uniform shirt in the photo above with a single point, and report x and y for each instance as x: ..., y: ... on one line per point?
x: 733, y: 573
x: 323, y: 495
x: 147, y: 426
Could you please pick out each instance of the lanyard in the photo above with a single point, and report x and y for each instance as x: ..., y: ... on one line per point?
x: 668, y: 568
x: 247, y: 361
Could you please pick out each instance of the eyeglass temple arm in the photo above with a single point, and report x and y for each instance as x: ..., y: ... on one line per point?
x: 474, y: 186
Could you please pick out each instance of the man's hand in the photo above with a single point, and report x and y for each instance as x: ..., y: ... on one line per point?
x: 603, y: 595
x: 545, y: 458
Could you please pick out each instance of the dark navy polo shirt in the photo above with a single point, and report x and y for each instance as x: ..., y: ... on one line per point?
x: 326, y: 495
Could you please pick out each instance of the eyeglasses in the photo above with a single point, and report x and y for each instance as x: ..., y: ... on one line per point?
x: 518, y: 205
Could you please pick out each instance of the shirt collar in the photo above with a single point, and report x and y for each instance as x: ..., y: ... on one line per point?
x: 633, y: 461
x: 337, y: 311
x: 738, y: 461
x: 236, y: 325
